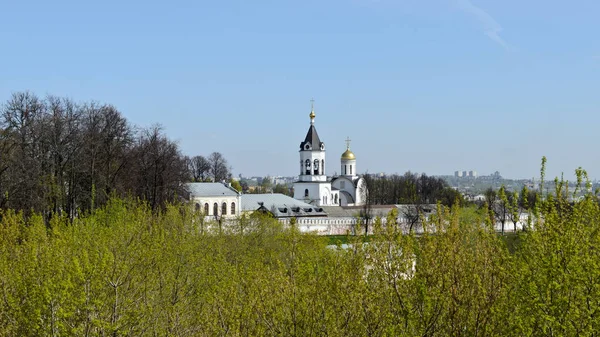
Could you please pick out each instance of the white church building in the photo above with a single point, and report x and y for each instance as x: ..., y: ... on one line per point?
x: 313, y: 185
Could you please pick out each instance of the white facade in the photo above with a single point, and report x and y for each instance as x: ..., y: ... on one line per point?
x: 352, y: 190
x: 314, y: 187
x: 348, y: 167
x: 215, y: 200
x: 316, y: 193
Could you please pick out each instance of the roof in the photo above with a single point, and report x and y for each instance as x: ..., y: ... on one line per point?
x: 348, y: 196
x: 354, y: 211
x: 348, y: 155
x: 280, y: 205
x: 354, y: 180
x: 211, y: 190
x: 313, y: 138
x: 340, y: 212
x: 411, y: 208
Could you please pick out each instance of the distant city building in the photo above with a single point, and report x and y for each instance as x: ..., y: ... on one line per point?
x: 465, y: 174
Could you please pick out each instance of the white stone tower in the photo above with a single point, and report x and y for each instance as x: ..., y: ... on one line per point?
x: 312, y: 185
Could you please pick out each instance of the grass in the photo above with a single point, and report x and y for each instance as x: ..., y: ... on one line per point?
x: 335, y: 239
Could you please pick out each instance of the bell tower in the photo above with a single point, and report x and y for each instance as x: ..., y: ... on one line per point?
x: 312, y: 153
x: 312, y: 186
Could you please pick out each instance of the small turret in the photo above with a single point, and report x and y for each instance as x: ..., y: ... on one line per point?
x: 348, y: 161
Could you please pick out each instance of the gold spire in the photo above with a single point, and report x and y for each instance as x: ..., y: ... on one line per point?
x: 312, y: 111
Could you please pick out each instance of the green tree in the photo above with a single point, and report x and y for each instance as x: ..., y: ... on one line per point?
x: 236, y: 185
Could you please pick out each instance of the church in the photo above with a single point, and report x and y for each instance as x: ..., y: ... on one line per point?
x: 313, y: 185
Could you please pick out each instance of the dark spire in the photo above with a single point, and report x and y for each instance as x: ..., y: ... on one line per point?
x: 312, y: 138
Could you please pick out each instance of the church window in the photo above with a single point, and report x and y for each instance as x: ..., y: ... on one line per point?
x: 306, y: 193
x: 197, y: 207
x: 233, y: 208
x: 345, y: 169
x: 307, y: 165
x: 336, y: 199
x: 316, y: 166
x: 322, y: 166
x: 224, y: 208
x: 215, y: 209
x: 206, y: 208
x: 350, y: 169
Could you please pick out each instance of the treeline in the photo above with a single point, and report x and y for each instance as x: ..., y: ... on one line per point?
x: 507, y: 206
x: 410, y: 188
x: 126, y: 270
x: 60, y: 157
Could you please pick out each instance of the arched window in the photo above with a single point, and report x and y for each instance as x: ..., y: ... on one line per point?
x: 322, y: 166
x: 350, y: 169
x: 307, y: 166
x: 316, y: 167
x: 335, y: 199
x: 345, y: 169
x: 206, y: 209
x: 224, y: 209
x: 233, y: 208
x: 197, y: 207
x: 215, y: 209
x: 306, y: 193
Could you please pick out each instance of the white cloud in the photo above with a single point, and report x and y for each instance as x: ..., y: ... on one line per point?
x: 491, y: 28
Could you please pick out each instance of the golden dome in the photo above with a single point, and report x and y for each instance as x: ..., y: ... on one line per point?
x: 348, y: 155
x: 312, y: 115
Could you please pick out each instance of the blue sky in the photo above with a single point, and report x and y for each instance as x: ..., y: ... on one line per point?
x: 427, y: 86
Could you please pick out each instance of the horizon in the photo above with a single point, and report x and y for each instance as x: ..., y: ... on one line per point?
x: 429, y: 87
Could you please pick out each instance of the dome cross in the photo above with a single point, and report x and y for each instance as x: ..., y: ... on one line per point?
x: 312, y: 111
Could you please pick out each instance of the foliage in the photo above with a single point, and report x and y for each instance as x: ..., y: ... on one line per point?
x: 124, y: 269
x: 236, y: 185
x: 410, y: 188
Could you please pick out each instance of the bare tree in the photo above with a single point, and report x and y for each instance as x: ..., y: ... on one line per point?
x: 200, y: 168
x: 490, y: 198
x: 62, y: 141
x: 366, y: 212
x: 21, y: 124
x: 219, y: 171
x: 58, y: 157
x: 107, y: 142
x: 413, y: 214
x: 160, y: 170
